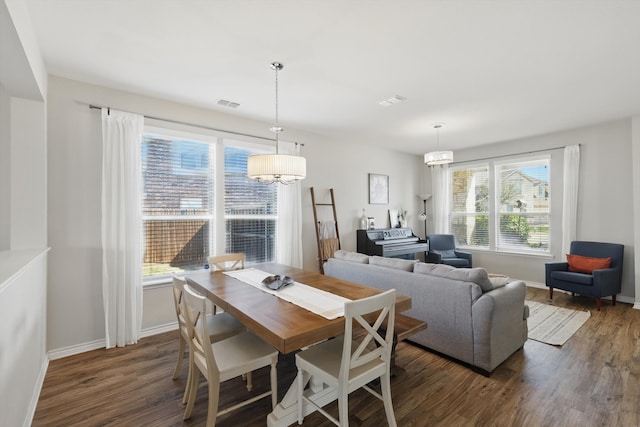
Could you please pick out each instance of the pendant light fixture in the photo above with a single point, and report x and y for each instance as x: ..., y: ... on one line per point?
x: 438, y: 157
x: 282, y: 168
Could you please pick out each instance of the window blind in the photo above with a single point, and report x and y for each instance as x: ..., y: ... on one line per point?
x: 177, y: 204
x: 469, y: 220
x: 250, y: 209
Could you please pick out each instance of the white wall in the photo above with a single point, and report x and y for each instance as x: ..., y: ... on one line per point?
x: 23, y: 194
x: 74, y: 153
x: 23, y: 361
x: 605, y: 199
x: 5, y: 170
x: 28, y: 174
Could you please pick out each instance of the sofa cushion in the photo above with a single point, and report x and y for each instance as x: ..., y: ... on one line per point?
x: 585, y: 264
x: 396, y: 263
x: 477, y: 275
x: 569, y: 276
x: 351, y: 256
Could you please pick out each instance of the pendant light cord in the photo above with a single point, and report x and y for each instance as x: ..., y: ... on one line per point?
x: 276, y: 128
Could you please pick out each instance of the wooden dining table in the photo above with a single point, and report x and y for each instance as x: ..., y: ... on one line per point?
x: 286, y: 326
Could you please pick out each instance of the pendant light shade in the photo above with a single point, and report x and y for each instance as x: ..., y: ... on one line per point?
x: 282, y: 168
x: 439, y: 157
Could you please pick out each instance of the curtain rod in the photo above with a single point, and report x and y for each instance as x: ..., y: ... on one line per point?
x: 514, y: 154
x: 97, y: 107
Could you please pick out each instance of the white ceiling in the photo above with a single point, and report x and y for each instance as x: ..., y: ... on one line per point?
x: 492, y: 70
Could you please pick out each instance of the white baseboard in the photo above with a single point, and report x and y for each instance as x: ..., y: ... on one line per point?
x: 621, y: 298
x: 536, y: 285
x: 155, y: 330
x: 76, y: 349
x: 94, y: 345
x: 33, y: 404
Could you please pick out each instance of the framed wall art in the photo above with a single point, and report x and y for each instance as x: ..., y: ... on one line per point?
x: 378, y: 189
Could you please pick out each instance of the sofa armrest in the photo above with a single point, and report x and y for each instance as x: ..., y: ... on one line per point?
x: 499, y: 324
x: 554, y: 266
x: 433, y: 257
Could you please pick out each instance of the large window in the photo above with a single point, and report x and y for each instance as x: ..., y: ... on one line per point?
x: 182, y: 223
x: 502, y: 206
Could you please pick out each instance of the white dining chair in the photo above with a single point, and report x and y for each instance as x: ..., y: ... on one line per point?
x: 219, y: 327
x: 223, y: 360
x: 227, y: 262
x: 346, y: 364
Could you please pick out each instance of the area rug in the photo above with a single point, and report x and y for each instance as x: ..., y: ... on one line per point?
x: 553, y: 325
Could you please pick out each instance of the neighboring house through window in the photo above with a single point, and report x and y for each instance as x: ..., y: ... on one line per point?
x: 502, y: 205
x: 183, y: 225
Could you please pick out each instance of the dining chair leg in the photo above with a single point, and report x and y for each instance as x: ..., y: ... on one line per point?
x: 300, y: 390
x: 343, y: 408
x: 274, y: 386
x: 249, y: 381
x: 187, y: 388
x: 191, y: 393
x: 214, y: 397
x: 176, y: 371
x: 385, y: 384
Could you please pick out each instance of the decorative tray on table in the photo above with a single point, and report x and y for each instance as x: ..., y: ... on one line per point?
x: 277, y: 282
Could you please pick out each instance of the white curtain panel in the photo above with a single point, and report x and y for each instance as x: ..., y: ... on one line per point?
x: 289, y: 226
x: 441, y: 190
x: 571, y: 174
x: 121, y: 227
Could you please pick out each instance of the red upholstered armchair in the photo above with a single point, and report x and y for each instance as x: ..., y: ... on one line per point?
x: 601, y: 282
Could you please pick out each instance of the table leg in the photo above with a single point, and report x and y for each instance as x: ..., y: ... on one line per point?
x: 286, y: 412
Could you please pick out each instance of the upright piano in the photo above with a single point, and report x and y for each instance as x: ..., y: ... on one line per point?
x: 390, y: 242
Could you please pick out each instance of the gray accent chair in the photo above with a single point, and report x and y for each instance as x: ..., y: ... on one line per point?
x: 442, y: 250
x: 602, y: 283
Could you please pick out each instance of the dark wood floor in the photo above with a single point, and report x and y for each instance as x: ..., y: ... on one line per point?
x: 593, y: 380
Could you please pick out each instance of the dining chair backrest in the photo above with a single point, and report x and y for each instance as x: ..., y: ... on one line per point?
x: 195, y: 308
x: 178, y: 285
x: 380, y: 332
x: 227, y: 262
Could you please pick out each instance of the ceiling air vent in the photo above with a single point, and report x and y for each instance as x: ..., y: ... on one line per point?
x: 229, y: 104
x: 395, y: 99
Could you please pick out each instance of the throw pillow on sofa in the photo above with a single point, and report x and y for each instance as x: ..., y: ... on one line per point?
x: 585, y: 264
x: 477, y: 275
x: 397, y: 263
x: 351, y: 256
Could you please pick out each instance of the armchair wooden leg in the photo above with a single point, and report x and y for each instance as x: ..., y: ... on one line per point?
x: 598, y: 303
x: 550, y: 293
x: 613, y: 298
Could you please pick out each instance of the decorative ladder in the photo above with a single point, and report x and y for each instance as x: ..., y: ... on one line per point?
x: 321, y: 253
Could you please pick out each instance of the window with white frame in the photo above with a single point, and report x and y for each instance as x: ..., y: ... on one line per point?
x: 182, y: 224
x: 502, y: 205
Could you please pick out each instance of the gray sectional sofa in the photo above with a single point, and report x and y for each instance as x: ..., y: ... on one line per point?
x: 471, y: 317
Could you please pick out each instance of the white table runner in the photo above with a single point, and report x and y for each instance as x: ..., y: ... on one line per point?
x: 325, y: 304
